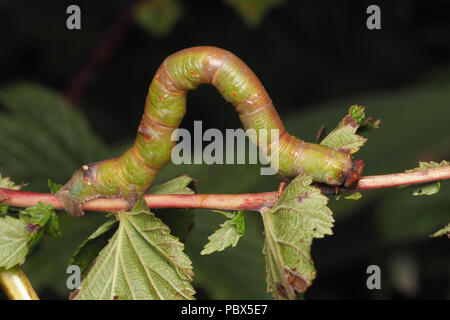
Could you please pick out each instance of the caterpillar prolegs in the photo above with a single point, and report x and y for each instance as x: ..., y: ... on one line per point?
x: 135, y: 170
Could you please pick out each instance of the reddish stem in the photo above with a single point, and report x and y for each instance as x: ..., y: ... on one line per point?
x: 404, y: 178
x: 246, y: 201
x: 249, y: 201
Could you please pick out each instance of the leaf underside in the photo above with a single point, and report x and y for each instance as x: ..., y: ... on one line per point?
x: 13, y: 241
x: 290, y: 226
x: 227, y: 235
x: 142, y: 261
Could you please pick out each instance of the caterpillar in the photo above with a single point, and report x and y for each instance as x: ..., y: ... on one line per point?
x: 165, y: 106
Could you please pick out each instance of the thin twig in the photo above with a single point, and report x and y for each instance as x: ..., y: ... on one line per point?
x: 248, y: 201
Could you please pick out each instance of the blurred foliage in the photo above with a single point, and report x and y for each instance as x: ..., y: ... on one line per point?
x: 50, y: 137
x: 157, y: 17
x: 253, y: 11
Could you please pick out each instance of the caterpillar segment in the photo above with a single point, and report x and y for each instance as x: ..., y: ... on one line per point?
x: 165, y: 106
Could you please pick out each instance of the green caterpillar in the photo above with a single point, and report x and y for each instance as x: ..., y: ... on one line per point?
x: 135, y: 170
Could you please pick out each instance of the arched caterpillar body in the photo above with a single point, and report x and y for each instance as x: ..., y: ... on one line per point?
x: 165, y: 107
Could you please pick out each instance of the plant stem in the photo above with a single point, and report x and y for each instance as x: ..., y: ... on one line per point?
x: 248, y: 201
x: 16, y: 285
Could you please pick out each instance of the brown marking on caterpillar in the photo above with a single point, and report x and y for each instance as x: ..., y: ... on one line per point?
x: 168, y: 79
x: 159, y: 123
x: 222, y: 62
x: 211, y: 64
x: 148, y: 165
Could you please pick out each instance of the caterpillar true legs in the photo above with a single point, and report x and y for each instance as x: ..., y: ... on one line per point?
x: 135, y: 170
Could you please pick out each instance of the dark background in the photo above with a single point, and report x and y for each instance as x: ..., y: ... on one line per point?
x: 311, y: 56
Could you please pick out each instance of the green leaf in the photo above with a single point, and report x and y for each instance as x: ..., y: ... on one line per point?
x: 54, y: 187
x: 227, y: 235
x: 142, y: 261
x: 358, y: 113
x: 353, y: 196
x: 6, y: 183
x: 13, y: 241
x: 427, y: 189
x: 300, y: 215
x: 253, y: 11
x: 344, y: 137
x: 157, y: 17
x: 90, y: 248
x: 444, y: 231
x: 178, y: 185
x: 41, y: 219
x: 430, y: 165
x: 18, y: 236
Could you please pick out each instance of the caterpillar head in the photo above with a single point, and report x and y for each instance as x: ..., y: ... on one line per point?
x: 354, y: 174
